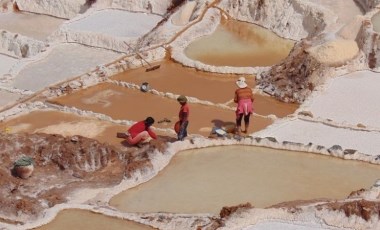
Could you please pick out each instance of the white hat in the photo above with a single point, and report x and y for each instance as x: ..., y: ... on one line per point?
x: 241, y: 82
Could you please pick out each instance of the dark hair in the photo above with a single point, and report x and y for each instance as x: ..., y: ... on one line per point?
x: 149, y: 121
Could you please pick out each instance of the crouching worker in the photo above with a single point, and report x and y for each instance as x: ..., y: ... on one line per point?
x: 141, y: 132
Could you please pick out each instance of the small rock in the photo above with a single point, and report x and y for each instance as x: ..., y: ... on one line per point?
x: 349, y: 151
x: 360, y: 125
x: 272, y: 139
x: 306, y: 114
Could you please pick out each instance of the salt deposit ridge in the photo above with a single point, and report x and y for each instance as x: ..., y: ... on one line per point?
x: 332, y: 72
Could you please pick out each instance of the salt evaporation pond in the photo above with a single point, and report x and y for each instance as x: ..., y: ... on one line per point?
x: 173, y: 77
x: 205, y: 180
x: 128, y: 104
x: 118, y: 23
x: 240, y: 44
x: 29, y: 24
x: 82, y: 219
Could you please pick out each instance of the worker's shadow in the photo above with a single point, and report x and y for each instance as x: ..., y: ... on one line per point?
x: 126, y: 144
x: 219, y: 123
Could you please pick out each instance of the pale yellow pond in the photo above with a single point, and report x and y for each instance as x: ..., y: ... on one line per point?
x: 240, y: 44
x: 205, y: 180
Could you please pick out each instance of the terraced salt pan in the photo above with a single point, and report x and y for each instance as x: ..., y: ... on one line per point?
x: 205, y: 180
x: 64, y: 62
x: 217, y: 88
x: 349, y: 100
x: 7, y: 98
x: 301, y: 131
x: 240, y: 44
x: 6, y: 63
x: 66, y: 124
x: 117, y: 23
x: 29, y: 24
x: 82, y: 219
x: 128, y: 104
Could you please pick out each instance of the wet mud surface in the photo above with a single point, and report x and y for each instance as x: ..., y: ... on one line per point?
x: 128, y: 104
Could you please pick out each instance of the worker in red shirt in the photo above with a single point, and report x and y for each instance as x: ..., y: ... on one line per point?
x: 183, y: 117
x: 141, y: 132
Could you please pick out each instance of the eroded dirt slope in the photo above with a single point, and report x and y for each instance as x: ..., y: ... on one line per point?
x: 62, y: 165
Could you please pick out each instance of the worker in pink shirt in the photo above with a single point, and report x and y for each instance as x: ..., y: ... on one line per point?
x: 140, y: 132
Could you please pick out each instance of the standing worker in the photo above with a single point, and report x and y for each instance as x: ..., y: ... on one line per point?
x: 183, y: 118
x: 244, y: 99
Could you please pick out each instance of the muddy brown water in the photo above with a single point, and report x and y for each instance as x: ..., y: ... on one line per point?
x: 123, y: 103
x: 218, y: 88
x: 240, y: 44
x: 66, y: 124
x: 205, y: 180
x: 82, y: 219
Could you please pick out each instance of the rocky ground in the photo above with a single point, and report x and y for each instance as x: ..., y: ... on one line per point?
x: 62, y: 165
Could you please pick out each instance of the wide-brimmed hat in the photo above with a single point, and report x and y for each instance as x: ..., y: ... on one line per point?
x: 182, y: 99
x: 241, y: 82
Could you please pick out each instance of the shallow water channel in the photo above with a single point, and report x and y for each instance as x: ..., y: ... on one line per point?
x: 205, y: 180
x: 82, y: 219
x: 240, y: 44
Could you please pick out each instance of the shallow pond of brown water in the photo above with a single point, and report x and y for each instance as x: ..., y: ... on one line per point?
x: 123, y: 103
x: 217, y: 88
x: 205, y: 180
x: 240, y: 44
x: 82, y: 219
x: 66, y: 124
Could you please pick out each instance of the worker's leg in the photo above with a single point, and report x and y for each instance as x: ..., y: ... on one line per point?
x: 183, y: 130
x: 246, y: 122
x: 138, y: 138
x: 239, y: 117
